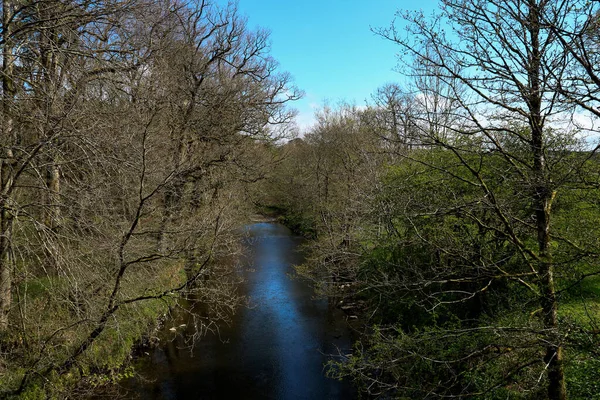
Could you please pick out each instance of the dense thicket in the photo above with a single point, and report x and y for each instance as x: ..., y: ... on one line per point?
x: 129, y: 130
x: 462, y: 209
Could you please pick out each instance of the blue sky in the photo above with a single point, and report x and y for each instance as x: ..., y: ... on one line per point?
x: 328, y: 47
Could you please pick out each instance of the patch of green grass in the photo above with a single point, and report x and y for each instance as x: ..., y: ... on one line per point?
x: 581, y: 304
x: 582, y: 374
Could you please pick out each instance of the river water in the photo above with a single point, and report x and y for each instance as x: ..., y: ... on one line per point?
x: 274, y: 349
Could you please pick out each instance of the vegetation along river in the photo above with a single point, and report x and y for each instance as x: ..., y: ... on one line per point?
x: 274, y: 349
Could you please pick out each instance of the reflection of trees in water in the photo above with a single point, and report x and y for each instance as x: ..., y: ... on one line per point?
x: 278, y: 345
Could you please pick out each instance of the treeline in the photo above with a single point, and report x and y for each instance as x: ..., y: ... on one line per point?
x: 130, y: 131
x: 460, y: 212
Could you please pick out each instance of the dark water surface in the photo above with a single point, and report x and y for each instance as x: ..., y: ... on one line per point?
x: 274, y: 349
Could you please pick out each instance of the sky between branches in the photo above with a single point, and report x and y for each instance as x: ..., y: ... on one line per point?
x: 328, y: 46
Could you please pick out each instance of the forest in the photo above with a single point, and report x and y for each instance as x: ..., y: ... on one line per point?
x: 459, y: 211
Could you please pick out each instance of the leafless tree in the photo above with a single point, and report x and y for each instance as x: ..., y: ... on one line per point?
x: 132, y: 128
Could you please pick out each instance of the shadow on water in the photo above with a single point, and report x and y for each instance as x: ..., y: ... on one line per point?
x: 274, y: 349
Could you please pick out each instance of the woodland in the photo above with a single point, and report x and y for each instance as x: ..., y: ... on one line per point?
x: 459, y: 211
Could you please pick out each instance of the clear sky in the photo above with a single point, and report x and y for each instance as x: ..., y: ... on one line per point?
x: 328, y: 47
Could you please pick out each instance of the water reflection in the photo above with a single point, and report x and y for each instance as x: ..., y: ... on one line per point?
x: 273, y: 350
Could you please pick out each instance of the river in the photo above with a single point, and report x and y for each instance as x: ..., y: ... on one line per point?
x: 274, y: 349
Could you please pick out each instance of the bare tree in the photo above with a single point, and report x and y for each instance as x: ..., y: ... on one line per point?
x: 7, y: 167
x: 137, y: 123
x: 397, y: 108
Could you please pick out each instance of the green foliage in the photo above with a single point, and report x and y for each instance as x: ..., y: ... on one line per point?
x: 33, y: 392
x: 103, y: 363
x: 443, y: 258
x: 582, y: 377
x: 109, y: 378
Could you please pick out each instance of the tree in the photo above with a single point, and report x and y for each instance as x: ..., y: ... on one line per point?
x: 7, y: 165
x: 492, y: 69
x: 394, y: 110
x: 42, y: 44
x: 132, y: 129
x: 323, y: 187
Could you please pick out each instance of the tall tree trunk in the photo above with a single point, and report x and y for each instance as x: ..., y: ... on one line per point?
x: 542, y: 200
x: 6, y: 165
x: 50, y: 88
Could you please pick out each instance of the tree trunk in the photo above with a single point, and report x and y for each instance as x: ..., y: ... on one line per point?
x: 52, y: 214
x: 542, y: 200
x: 6, y: 166
x: 6, y: 269
x: 50, y: 91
